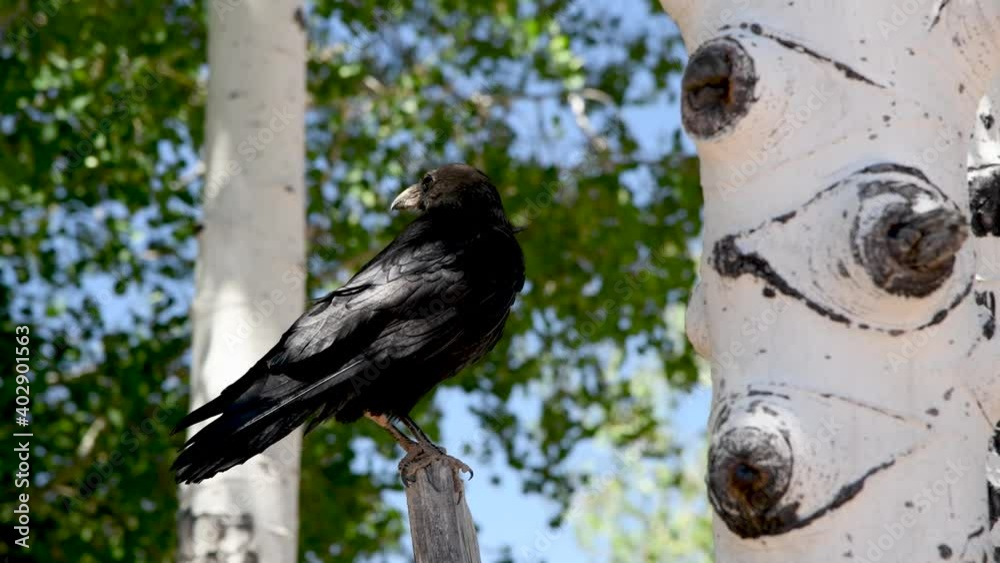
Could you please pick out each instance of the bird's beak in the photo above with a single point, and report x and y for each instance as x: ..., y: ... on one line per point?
x: 407, y: 199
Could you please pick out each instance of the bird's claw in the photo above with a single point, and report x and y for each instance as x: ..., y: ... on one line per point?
x: 422, y: 457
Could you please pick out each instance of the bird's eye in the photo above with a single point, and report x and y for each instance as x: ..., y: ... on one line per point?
x: 426, y: 182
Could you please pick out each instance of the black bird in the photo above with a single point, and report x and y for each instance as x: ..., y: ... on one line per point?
x: 432, y: 302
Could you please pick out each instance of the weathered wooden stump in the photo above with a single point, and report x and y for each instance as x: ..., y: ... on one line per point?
x: 441, y: 525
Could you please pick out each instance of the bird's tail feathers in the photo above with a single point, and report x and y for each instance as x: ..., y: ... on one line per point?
x: 265, y: 411
x: 231, y: 440
x: 228, y: 396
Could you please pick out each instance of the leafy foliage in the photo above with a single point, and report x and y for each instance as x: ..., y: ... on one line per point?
x: 101, y: 114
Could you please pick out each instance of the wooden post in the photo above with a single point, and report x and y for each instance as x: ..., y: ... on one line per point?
x: 441, y: 525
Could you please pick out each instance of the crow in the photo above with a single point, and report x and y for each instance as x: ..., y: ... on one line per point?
x: 433, y: 301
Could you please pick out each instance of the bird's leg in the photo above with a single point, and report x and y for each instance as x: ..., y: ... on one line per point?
x: 426, y: 453
x: 417, y: 452
x: 420, y: 434
x: 385, y: 422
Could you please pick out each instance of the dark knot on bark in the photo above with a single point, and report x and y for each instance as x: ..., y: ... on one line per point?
x: 749, y: 470
x: 984, y: 195
x: 910, y: 248
x: 717, y: 87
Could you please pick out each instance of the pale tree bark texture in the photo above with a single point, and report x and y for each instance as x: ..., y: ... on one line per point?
x: 847, y: 292
x: 250, y: 273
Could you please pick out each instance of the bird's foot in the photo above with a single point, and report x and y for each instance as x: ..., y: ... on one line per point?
x: 420, y: 456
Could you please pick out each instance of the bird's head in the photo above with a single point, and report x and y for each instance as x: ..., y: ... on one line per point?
x: 458, y: 187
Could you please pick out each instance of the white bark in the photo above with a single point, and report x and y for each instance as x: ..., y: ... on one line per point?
x: 854, y: 373
x: 250, y: 275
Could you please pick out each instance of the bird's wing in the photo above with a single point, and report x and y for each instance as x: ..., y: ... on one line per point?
x: 409, y: 288
x: 379, y: 315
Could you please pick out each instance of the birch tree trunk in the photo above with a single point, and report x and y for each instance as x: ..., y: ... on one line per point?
x: 984, y: 192
x: 847, y: 287
x: 250, y: 274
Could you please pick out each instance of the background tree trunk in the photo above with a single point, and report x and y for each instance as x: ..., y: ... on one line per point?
x: 250, y: 274
x: 847, y: 317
